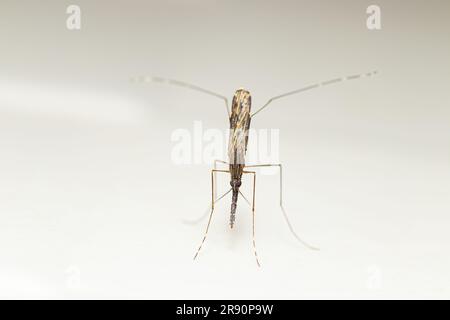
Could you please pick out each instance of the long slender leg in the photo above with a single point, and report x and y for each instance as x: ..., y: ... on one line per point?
x: 281, y: 204
x: 212, y: 208
x: 208, y: 209
x: 245, y: 198
x: 253, y: 215
x: 215, y: 177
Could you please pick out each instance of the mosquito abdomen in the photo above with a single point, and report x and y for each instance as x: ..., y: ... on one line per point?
x: 233, y: 207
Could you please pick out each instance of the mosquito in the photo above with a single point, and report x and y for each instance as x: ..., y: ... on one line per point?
x: 240, y: 118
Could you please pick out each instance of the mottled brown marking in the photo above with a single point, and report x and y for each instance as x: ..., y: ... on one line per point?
x: 237, y: 145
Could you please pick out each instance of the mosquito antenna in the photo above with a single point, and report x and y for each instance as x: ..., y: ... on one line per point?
x: 195, y: 221
x: 314, y: 86
x: 148, y: 79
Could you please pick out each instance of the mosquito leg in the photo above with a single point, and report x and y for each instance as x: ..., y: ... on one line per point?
x: 215, y: 177
x: 212, y: 209
x: 245, y: 198
x: 208, y: 209
x: 253, y: 216
x: 220, y: 161
x: 281, y: 204
x: 253, y: 212
x: 148, y: 79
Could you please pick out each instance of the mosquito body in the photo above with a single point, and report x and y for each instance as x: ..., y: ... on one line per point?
x: 240, y: 118
x: 237, y: 145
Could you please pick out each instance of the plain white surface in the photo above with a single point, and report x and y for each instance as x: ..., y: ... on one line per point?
x: 92, y: 206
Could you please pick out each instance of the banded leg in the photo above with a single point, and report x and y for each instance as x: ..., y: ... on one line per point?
x: 212, y: 209
x: 253, y: 215
x: 281, y: 204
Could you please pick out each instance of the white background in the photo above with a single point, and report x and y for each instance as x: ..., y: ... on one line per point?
x: 92, y: 206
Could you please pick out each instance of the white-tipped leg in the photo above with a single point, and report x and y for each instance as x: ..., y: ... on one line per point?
x: 212, y: 210
x: 306, y: 244
x: 253, y: 217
